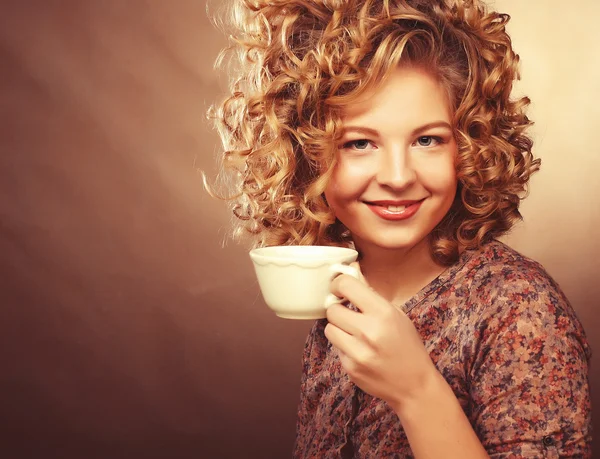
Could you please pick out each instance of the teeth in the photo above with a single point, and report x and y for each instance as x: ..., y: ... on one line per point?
x: 396, y: 208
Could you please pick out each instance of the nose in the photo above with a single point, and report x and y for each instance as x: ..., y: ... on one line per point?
x: 395, y: 168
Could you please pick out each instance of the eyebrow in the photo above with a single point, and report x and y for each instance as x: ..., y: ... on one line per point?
x: 417, y: 131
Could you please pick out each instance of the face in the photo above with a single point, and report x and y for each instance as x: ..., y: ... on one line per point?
x: 395, y: 177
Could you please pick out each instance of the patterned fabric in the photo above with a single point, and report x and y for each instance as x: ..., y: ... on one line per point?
x: 505, y: 338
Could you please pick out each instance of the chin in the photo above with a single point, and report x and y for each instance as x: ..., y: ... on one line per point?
x: 391, y: 242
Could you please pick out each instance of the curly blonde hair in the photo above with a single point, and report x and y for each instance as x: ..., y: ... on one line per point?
x: 300, y: 62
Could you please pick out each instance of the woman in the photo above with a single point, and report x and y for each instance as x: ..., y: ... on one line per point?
x: 388, y: 125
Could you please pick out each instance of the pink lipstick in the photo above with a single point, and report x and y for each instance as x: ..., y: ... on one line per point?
x: 394, y: 210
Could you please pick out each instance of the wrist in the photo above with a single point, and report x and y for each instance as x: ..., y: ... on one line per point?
x: 435, y: 423
x: 431, y: 385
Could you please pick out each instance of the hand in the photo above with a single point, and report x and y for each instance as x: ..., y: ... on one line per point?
x: 379, y: 347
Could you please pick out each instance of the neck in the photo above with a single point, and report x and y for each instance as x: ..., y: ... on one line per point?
x: 397, y: 274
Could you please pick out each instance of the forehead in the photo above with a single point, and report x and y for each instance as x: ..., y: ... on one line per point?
x: 408, y: 97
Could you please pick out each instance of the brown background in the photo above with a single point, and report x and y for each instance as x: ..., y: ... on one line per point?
x: 128, y: 330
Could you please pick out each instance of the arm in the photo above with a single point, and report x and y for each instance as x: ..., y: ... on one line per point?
x: 529, y: 389
x: 435, y: 423
x: 383, y: 353
x: 529, y: 379
x: 525, y: 360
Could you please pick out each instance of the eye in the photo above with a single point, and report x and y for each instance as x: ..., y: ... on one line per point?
x: 360, y: 144
x: 428, y: 141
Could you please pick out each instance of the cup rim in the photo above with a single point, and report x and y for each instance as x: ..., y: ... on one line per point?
x: 261, y: 254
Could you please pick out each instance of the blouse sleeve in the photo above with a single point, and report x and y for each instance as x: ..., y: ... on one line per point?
x: 311, y: 358
x: 529, y: 377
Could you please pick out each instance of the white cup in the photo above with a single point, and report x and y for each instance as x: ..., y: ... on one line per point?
x: 294, y: 280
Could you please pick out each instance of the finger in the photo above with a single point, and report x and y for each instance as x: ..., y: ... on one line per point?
x: 344, y: 318
x: 340, y: 339
x: 344, y: 360
x: 359, y: 294
x: 352, y: 352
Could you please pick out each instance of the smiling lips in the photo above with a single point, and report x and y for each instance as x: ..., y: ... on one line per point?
x: 394, y: 210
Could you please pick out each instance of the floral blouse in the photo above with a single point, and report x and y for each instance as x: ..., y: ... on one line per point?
x: 505, y: 338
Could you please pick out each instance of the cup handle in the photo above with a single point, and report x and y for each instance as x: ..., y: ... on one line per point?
x: 340, y: 269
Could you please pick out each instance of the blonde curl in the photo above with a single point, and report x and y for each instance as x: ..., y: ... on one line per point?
x: 300, y: 62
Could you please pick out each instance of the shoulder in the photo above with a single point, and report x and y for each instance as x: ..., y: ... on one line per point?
x: 498, y: 274
x: 497, y: 266
x: 509, y: 291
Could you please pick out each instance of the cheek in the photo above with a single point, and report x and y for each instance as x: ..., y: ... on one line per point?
x: 440, y: 177
x: 347, y: 181
x: 447, y: 181
x: 331, y: 191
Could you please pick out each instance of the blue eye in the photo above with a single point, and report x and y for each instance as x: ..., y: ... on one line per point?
x: 361, y: 144
x: 428, y: 141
